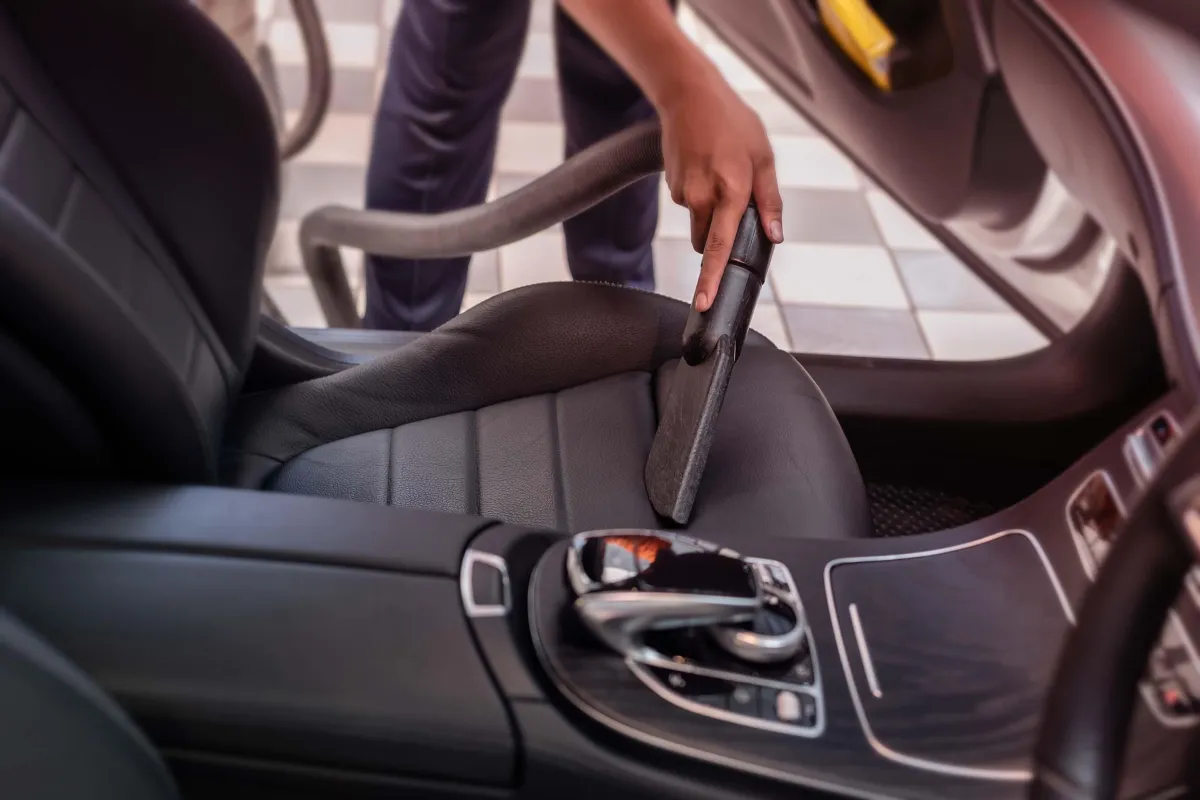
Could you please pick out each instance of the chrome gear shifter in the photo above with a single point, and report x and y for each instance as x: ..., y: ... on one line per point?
x: 631, y: 584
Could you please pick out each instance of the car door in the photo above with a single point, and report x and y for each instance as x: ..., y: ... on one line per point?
x: 940, y: 134
x: 944, y: 137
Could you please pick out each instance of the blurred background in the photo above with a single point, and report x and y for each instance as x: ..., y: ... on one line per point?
x: 857, y: 275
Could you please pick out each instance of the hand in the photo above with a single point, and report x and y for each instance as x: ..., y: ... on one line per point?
x: 717, y: 157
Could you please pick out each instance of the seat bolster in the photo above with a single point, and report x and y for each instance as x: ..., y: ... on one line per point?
x: 534, y: 340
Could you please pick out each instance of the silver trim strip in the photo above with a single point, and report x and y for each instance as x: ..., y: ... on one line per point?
x: 864, y: 652
x: 476, y: 610
x: 916, y: 762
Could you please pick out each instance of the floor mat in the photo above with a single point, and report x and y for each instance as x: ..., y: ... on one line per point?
x: 899, y: 510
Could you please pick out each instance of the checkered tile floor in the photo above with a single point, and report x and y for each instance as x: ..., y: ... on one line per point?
x: 857, y: 275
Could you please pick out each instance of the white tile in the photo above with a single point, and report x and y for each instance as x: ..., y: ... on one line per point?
x: 472, y: 299
x: 351, y: 44
x: 342, y: 139
x: 812, y: 162
x: 296, y: 300
x: 537, y: 60
x: 285, y: 247
x: 537, y: 259
x: 692, y: 25
x: 977, y: 336
x: 900, y: 230
x: 674, y: 222
x: 530, y: 147
x: 768, y: 321
x: 858, y: 276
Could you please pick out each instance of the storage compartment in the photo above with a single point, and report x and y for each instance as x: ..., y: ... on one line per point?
x: 948, y: 653
x: 276, y: 629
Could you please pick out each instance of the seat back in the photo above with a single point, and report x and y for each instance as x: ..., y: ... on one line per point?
x: 139, y: 185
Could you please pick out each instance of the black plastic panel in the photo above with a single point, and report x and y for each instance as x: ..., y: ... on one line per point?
x: 969, y: 697
x: 319, y: 666
x: 236, y: 522
x: 950, y: 147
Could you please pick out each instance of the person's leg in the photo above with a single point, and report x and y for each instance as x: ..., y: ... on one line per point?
x: 451, y: 65
x: 610, y: 242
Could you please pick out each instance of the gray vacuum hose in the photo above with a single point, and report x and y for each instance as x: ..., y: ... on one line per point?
x: 320, y: 79
x: 574, y: 186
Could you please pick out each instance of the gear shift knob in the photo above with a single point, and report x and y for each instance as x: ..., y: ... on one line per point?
x: 630, y: 583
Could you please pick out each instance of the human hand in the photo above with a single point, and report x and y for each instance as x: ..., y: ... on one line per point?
x: 717, y: 157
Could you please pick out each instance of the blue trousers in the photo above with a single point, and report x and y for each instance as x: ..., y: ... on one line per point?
x: 451, y: 66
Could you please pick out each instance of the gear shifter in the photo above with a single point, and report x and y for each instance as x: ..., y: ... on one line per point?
x: 710, y: 631
x: 632, y: 583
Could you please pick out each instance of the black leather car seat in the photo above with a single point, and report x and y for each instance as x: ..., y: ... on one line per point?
x: 138, y: 193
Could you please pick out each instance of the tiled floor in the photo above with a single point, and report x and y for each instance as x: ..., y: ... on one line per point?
x: 857, y: 274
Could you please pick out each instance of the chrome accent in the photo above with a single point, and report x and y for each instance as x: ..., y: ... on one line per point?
x: 761, y: 648
x: 476, y: 610
x: 1083, y: 546
x: 1142, y: 451
x: 864, y: 652
x: 619, y: 617
x: 916, y: 762
x: 625, y: 729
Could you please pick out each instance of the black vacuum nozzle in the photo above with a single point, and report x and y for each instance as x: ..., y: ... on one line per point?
x: 712, y: 342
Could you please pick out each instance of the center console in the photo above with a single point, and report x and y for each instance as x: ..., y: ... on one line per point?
x: 307, y: 647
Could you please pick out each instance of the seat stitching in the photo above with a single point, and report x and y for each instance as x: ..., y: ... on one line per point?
x: 561, y: 517
x: 474, y: 487
x: 391, y: 465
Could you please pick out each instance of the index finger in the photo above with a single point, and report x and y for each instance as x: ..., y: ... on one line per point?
x: 721, y: 233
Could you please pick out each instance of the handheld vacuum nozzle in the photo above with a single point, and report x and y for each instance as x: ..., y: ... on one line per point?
x: 712, y: 343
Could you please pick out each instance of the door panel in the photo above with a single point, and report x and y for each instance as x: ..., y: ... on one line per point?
x: 949, y: 144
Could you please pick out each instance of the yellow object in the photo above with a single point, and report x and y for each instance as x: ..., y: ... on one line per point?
x: 862, y: 35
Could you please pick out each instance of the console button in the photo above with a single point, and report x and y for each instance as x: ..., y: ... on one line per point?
x: 1163, y: 429
x: 1173, y: 698
x: 802, y: 672
x: 744, y: 699
x: 790, y: 708
x: 697, y: 688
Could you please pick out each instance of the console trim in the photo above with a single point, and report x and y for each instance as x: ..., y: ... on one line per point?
x: 727, y: 716
x: 661, y: 743
x: 476, y: 610
x: 864, y: 652
x: 916, y: 762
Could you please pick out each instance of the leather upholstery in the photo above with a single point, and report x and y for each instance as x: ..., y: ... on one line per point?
x: 133, y: 223
x: 552, y: 427
x: 138, y: 192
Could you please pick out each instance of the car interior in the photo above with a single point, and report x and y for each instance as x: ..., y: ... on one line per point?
x: 241, y: 560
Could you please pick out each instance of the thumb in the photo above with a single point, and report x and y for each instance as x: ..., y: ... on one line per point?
x: 768, y: 200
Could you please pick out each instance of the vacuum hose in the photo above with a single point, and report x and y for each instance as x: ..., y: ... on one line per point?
x: 579, y: 183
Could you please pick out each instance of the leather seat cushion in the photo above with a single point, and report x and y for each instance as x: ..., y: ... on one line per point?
x: 559, y: 434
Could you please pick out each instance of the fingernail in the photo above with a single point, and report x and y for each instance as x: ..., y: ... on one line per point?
x: 701, y: 301
x: 776, y: 231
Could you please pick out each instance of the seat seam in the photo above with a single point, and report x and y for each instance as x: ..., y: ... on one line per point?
x: 391, y: 466
x: 474, y: 487
x: 561, y: 515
